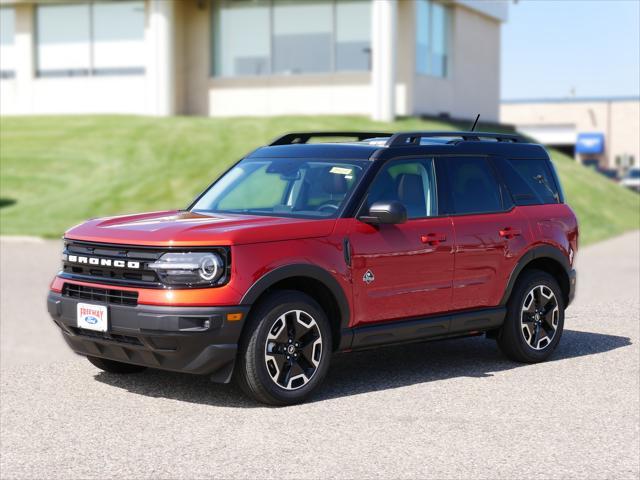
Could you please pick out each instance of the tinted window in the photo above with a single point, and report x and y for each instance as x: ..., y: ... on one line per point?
x: 530, y: 181
x: 432, y: 42
x: 283, y: 187
x: 410, y: 182
x: 472, y: 185
x: 79, y: 39
x: 288, y: 37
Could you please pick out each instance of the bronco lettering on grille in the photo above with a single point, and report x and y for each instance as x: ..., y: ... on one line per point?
x: 103, y: 262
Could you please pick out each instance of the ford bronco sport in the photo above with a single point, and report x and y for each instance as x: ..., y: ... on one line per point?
x: 304, y: 249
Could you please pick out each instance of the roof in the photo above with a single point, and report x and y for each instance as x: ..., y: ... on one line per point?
x: 346, y: 151
x: 377, y: 146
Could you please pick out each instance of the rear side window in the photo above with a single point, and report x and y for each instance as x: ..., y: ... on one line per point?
x: 473, y: 187
x: 530, y: 181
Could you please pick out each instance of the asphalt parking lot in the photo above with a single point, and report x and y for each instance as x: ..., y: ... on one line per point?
x: 452, y: 409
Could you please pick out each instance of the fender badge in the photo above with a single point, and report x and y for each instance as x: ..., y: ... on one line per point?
x: 368, y: 277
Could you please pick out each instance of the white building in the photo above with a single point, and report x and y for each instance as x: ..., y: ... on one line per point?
x: 602, y: 132
x: 251, y: 57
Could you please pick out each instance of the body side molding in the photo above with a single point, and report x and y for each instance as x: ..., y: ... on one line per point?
x: 432, y: 327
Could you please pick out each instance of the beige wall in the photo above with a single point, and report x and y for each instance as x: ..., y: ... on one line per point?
x: 624, y: 135
x: 258, y: 96
x: 619, y: 120
x: 473, y: 84
x: 28, y: 95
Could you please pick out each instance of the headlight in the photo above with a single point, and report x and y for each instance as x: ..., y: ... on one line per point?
x: 190, y: 268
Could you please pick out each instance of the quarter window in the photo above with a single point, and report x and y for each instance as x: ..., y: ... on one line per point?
x: 410, y: 182
x: 530, y: 181
x: 289, y: 37
x: 472, y: 185
x: 90, y: 39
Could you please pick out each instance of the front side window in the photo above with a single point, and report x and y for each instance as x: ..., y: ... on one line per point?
x: 410, y: 182
x: 529, y: 181
x: 83, y: 39
x: 289, y: 37
x: 283, y: 187
x: 7, y: 42
x: 432, y: 38
x: 472, y: 185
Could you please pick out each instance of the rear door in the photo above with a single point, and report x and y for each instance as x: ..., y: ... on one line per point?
x: 490, y: 234
x: 405, y: 270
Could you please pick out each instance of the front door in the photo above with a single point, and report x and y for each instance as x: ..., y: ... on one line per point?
x: 405, y: 270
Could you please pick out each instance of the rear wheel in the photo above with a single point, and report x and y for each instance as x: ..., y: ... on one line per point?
x: 112, y: 366
x: 535, y: 318
x: 286, y: 349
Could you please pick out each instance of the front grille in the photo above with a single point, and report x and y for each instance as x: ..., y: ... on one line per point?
x: 125, y: 265
x: 111, y: 337
x: 102, y: 295
x: 142, y: 276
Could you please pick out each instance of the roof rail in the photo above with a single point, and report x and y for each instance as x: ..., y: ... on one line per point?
x: 413, y: 138
x: 303, y: 137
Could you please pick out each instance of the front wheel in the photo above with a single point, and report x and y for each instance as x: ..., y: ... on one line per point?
x: 286, y: 349
x: 535, y: 318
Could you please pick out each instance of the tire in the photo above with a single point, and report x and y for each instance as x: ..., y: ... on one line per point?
x: 526, y: 337
x: 112, y: 366
x: 285, y: 350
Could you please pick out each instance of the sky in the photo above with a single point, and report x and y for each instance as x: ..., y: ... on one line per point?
x: 553, y: 47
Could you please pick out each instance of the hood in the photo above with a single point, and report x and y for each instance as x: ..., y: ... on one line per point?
x: 182, y: 228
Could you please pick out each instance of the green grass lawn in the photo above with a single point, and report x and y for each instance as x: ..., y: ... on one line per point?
x: 58, y: 171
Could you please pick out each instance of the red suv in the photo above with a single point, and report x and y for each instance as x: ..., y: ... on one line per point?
x: 301, y: 250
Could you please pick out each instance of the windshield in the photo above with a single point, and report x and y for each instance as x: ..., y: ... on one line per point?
x: 286, y: 187
x: 633, y: 173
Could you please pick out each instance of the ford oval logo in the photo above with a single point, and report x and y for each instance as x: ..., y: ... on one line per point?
x: 91, y: 320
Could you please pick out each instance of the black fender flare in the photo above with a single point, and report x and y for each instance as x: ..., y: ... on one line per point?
x: 301, y: 270
x: 542, y: 251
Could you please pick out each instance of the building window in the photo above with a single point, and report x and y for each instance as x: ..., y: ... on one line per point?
x: 287, y: 37
x: 102, y: 38
x: 7, y: 42
x: 432, y: 38
x: 353, y: 36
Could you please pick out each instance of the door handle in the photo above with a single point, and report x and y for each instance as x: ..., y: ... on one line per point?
x: 509, y: 232
x: 433, y: 238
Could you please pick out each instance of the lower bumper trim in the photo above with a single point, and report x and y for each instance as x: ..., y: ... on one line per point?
x: 195, y: 340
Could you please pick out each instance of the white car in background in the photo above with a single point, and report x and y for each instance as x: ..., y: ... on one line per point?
x: 632, y: 179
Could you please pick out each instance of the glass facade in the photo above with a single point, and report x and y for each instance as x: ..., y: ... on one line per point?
x: 90, y: 39
x: 433, y: 25
x: 287, y: 37
x: 7, y: 41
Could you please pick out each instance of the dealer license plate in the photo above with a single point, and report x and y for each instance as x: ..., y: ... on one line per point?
x: 92, y: 317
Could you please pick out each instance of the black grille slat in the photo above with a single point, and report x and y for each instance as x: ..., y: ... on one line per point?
x: 101, y: 295
x: 111, y: 337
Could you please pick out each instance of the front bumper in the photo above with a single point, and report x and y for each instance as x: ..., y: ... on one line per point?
x: 196, y: 340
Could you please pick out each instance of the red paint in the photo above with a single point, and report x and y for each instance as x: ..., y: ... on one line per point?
x: 421, y: 267
x: 412, y: 278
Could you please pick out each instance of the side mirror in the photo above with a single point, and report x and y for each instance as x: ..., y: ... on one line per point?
x: 386, y: 213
